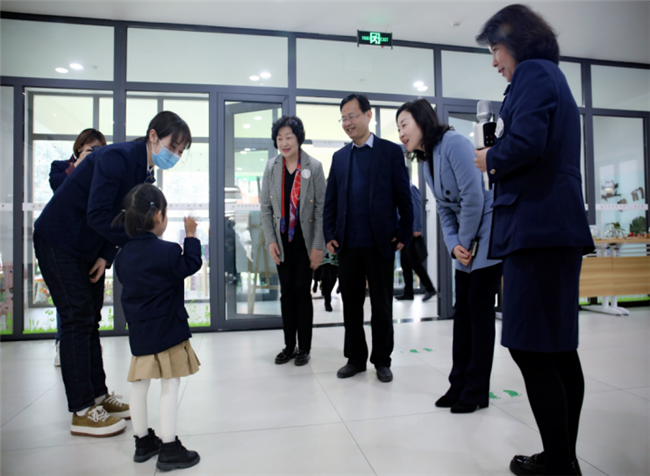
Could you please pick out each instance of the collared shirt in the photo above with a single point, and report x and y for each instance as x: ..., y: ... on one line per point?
x: 370, y: 142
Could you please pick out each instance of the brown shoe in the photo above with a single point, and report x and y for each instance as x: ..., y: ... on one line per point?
x: 96, y: 423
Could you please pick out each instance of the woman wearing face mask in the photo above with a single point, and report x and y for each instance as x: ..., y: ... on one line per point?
x: 466, y: 216
x: 292, y: 198
x: 74, y: 243
x: 87, y: 141
x: 540, y: 228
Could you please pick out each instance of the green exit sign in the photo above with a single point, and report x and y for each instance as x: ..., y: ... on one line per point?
x: 374, y: 38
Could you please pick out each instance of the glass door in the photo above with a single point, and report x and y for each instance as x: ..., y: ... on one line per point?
x: 252, y: 286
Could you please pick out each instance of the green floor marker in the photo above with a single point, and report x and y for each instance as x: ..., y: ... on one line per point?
x: 414, y: 351
x: 428, y: 350
x: 494, y: 397
x: 512, y: 393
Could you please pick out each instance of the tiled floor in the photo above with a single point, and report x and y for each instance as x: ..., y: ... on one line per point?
x: 247, y: 416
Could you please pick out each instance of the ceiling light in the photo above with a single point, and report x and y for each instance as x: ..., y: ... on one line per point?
x: 265, y: 75
x: 258, y: 118
x: 471, y: 134
x: 418, y: 84
x: 61, y: 70
x: 247, y: 149
x: 262, y: 160
x: 243, y: 152
x: 240, y: 169
x: 247, y: 126
x: 76, y: 66
x: 423, y: 88
x: 254, y: 78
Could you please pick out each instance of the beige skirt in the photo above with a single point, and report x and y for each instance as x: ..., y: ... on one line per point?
x: 177, y: 361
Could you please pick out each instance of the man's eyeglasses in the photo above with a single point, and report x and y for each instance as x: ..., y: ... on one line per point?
x: 345, y: 119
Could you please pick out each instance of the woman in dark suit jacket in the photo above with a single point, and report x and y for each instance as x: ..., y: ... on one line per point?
x: 74, y: 243
x: 539, y: 228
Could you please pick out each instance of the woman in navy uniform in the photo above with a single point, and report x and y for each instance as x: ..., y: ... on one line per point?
x: 539, y: 228
x: 74, y: 243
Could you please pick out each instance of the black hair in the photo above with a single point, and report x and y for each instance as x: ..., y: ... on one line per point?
x: 169, y: 123
x: 141, y: 205
x: 288, y: 121
x: 524, y: 33
x: 86, y: 137
x: 427, y: 120
x: 364, y: 104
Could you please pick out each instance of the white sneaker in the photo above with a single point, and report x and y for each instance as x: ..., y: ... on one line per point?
x: 57, y: 357
x: 97, y: 423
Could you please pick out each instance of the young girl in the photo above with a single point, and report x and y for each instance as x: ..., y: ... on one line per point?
x: 152, y: 271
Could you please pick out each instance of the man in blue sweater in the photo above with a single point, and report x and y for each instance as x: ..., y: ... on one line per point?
x: 368, y: 183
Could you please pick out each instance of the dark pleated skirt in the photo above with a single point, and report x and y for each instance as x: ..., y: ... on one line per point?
x: 540, y: 299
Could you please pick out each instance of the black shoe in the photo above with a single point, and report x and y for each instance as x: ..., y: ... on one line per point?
x: 445, y: 402
x: 428, y: 295
x: 528, y: 465
x: 286, y: 355
x: 384, y: 374
x: 535, y: 465
x: 175, y: 456
x: 146, y: 447
x: 462, y: 407
x: 404, y: 297
x: 302, y: 358
x: 328, y: 306
x: 349, y: 370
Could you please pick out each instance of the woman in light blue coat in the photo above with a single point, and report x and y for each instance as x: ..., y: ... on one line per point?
x: 464, y: 207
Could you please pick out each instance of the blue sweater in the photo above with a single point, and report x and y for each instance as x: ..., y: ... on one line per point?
x: 358, y: 232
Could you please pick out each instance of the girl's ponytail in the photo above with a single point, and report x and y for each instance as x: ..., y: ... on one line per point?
x: 119, y: 219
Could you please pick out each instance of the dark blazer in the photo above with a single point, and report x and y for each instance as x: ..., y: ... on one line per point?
x: 389, y: 191
x: 77, y: 220
x: 58, y: 173
x: 152, y: 271
x: 535, y: 165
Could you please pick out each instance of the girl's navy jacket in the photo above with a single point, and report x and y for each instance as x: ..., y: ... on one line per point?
x: 152, y: 273
x: 77, y: 220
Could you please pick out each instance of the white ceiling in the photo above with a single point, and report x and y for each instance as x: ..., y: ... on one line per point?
x: 610, y: 30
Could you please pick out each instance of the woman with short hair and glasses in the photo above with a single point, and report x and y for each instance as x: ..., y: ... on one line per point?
x: 292, y: 198
x: 540, y: 228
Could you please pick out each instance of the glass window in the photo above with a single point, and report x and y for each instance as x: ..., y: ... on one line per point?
x: 6, y: 207
x: 186, y: 185
x: 206, y: 58
x: 573, y: 73
x: 342, y: 66
x: 620, y: 172
x: 54, y: 118
x: 471, y: 76
x: 252, y: 283
x: 323, y: 132
x: 56, y: 50
x: 621, y: 88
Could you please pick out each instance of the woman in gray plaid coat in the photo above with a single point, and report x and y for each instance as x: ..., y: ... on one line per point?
x: 292, y: 198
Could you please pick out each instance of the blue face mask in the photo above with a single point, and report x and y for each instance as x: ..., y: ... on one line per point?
x: 165, y: 159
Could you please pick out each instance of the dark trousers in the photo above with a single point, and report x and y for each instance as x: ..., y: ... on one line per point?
x: 410, y: 263
x: 79, y: 303
x: 556, y: 387
x: 474, y: 333
x: 355, y: 266
x: 329, y: 275
x: 295, y: 286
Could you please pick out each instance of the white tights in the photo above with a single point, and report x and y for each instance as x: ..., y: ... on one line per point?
x: 168, y: 408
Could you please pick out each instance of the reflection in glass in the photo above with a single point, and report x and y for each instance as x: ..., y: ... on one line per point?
x: 6, y: 206
x: 620, y: 173
x: 186, y: 185
x: 252, y: 284
x: 54, y: 118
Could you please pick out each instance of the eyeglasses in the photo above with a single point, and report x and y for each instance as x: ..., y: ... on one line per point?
x: 344, y: 119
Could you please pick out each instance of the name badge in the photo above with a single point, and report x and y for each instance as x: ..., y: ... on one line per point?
x: 305, y: 173
x: 500, y: 127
